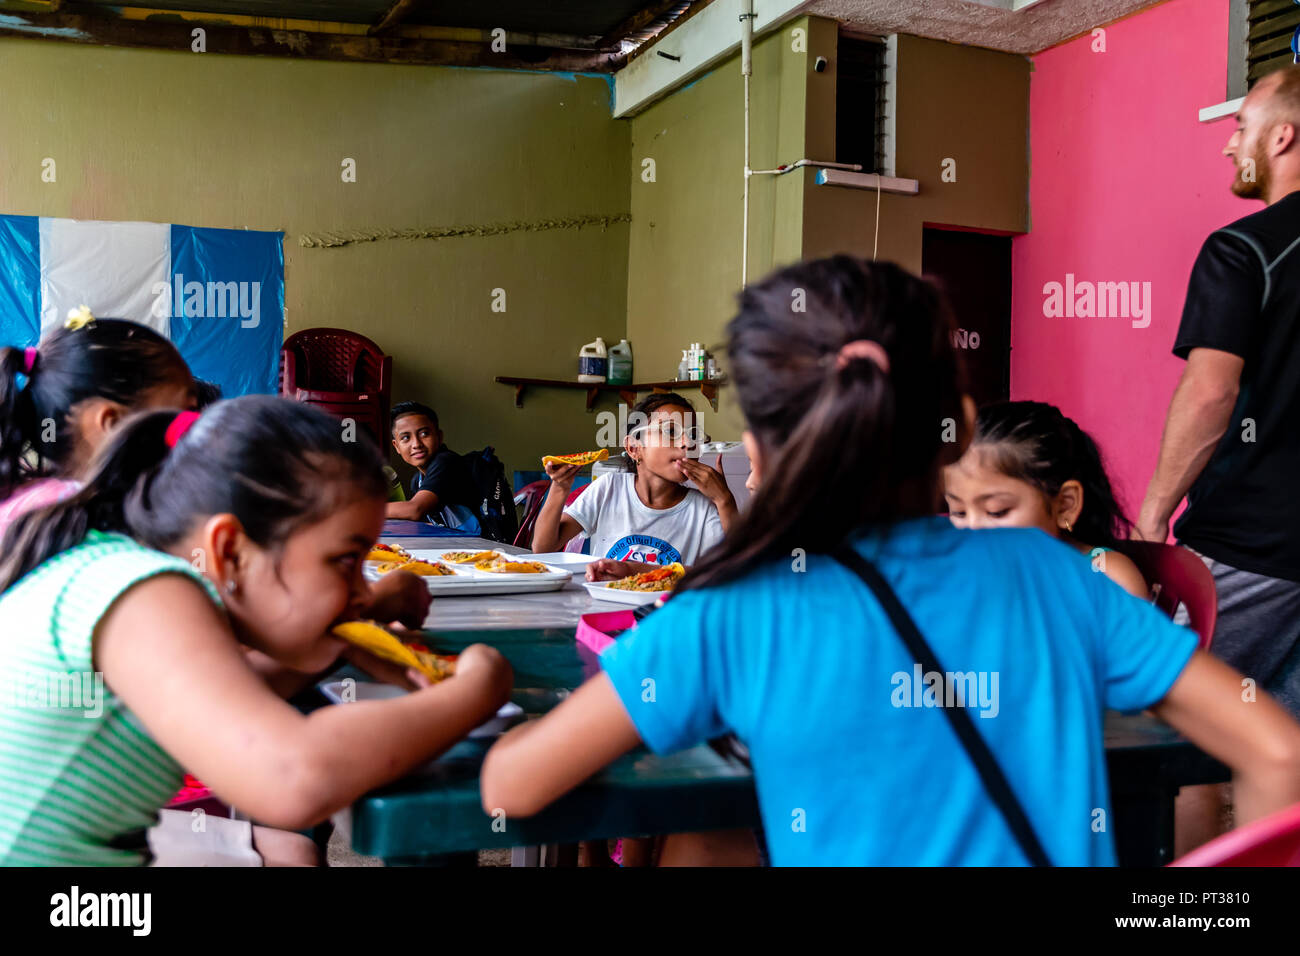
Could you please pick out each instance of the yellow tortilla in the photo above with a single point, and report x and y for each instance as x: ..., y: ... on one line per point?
x: 581, y: 458
x: 423, y: 568
x: 381, y: 642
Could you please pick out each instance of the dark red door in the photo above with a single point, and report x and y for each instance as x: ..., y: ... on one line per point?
x: 974, y: 270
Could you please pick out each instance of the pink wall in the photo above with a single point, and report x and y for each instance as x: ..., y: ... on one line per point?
x: 1125, y: 185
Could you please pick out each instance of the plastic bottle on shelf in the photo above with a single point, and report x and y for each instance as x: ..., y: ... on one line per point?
x: 697, y: 361
x: 620, y: 363
x: 593, y: 362
x: 684, y: 366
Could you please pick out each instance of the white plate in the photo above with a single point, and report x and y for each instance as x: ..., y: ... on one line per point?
x: 601, y: 591
x: 469, y: 580
x: 366, y: 690
x: 562, y: 559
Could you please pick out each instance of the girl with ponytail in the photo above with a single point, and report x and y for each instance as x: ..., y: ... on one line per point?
x: 188, y: 588
x: 60, y: 399
x: 799, y: 632
x: 1029, y: 466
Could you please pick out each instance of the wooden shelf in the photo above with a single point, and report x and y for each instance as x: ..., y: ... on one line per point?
x: 707, y: 387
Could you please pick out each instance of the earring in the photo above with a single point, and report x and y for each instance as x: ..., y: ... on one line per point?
x: 232, y: 587
x: 1069, y: 528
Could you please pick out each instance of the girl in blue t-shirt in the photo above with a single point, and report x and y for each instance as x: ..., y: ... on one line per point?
x: 847, y: 407
x: 1029, y: 466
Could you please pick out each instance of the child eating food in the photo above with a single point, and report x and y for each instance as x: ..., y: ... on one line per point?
x: 60, y: 399
x: 794, y: 633
x: 1029, y: 466
x: 645, y: 516
x: 197, y: 576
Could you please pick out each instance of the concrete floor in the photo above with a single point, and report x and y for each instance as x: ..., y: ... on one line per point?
x: 338, y: 853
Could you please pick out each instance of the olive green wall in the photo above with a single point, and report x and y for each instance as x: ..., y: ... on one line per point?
x: 254, y: 142
x: 685, y: 242
x: 257, y: 143
x: 961, y: 102
x: 958, y: 102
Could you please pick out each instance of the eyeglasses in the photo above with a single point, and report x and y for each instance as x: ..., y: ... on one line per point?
x: 669, y: 433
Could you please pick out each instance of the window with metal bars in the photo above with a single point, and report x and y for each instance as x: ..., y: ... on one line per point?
x: 860, y: 102
x: 1271, y: 36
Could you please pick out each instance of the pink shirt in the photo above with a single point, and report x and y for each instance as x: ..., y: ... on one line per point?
x: 33, y: 495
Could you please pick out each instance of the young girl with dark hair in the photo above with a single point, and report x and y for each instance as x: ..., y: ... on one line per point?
x: 643, y: 517
x: 192, y: 542
x: 1029, y: 466
x: 60, y: 399
x: 793, y: 632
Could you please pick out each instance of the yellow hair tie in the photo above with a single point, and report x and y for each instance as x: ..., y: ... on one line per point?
x: 79, y: 318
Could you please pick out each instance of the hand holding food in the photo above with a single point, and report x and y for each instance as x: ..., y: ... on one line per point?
x: 379, y: 641
x: 385, y: 672
x: 561, y: 475
x: 481, y: 662
x: 398, y: 597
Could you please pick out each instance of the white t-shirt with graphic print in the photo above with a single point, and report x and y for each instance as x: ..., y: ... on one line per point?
x: 622, y: 528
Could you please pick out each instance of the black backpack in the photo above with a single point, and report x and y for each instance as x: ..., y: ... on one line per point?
x: 496, y: 507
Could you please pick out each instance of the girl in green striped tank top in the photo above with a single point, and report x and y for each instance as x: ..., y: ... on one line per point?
x: 159, y: 618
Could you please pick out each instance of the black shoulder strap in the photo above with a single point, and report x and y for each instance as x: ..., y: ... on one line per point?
x: 994, y: 780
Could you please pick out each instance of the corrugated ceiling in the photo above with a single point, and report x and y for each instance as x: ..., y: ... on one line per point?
x: 570, y: 17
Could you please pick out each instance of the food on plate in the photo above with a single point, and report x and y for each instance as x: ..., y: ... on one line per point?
x: 506, y: 566
x: 471, y: 557
x: 388, y: 553
x: 381, y: 642
x: 579, y: 458
x: 660, y: 579
x: 426, y: 569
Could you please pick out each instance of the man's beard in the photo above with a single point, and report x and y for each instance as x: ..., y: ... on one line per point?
x: 1263, y: 177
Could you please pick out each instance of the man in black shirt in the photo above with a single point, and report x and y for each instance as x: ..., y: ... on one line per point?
x: 442, y: 487
x: 1232, y: 437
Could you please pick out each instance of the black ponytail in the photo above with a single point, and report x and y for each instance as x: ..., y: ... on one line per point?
x: 1036, y: 443
x: 110, y: 358
x: 17, y: 421
x: 276, y: 465
x: 845, y: 445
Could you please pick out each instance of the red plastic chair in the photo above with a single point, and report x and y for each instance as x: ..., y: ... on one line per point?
x: 1177, y: 576
x: 1272, y: 841
x: 340, y: 372
x: 531, y: 497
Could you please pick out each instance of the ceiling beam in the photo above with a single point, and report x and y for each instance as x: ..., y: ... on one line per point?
x: 393, y: 16
x: 255, y: 41
x: 637, y: 21
x: 693, y: 46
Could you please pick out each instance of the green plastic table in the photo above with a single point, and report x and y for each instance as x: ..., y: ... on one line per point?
x: 437, y: 812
